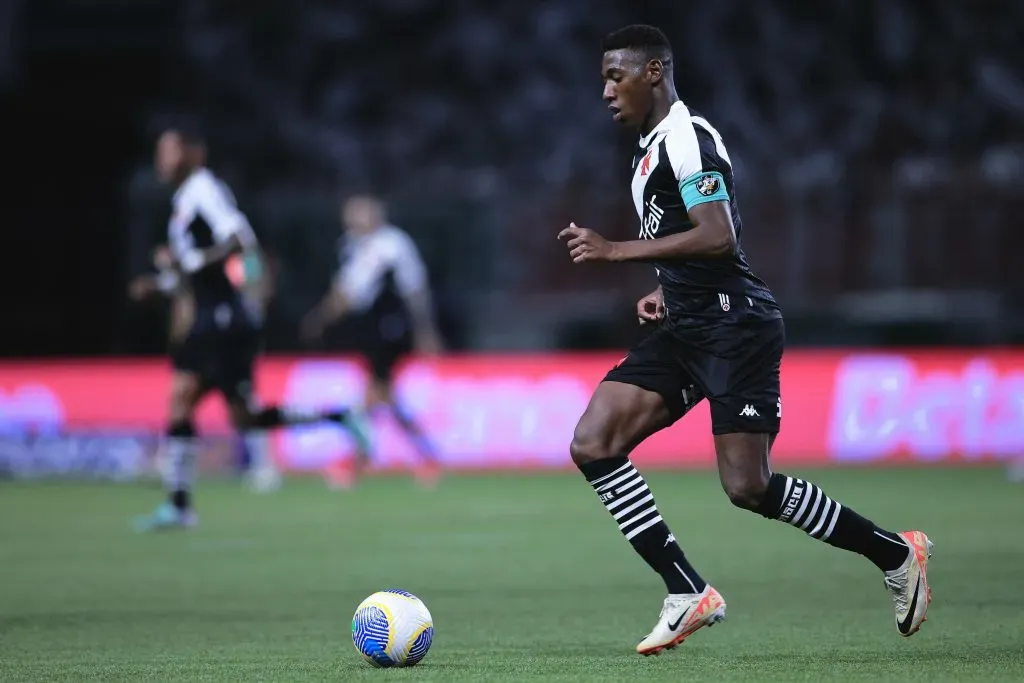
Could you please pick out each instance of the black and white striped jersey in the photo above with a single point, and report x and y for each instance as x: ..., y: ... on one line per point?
x: 378, y: 273
x: 678, y: 165
x: 204, y: 213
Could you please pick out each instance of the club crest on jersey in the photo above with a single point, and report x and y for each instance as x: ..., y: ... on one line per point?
x: 645, y: 165
x: 708, y: 185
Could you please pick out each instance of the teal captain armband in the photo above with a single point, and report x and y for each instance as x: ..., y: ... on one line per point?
x: 252, y: 266
x: 706, y: 186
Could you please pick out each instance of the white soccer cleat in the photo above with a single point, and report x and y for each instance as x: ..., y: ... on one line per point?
x: 911, y: 593
x: 681, y: 616
x: 263, y: 479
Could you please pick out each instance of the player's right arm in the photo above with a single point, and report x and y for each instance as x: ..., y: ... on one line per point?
x: 165, y: 281
x: 414, y: 288
x: 334, y: 305
x: 231, y: 231
x: 702, y: 187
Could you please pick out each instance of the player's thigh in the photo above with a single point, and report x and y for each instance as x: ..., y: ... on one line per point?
x: 236, y: 362
x: 188, y: 381
x: 742, y: 383
x: 646, y: 392
x: 746, y: 409
x: 187, y: 391
x: 382, y: 357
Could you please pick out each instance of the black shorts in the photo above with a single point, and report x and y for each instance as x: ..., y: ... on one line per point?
x: 733, y: 365
x: 384, y: 355
x: 223, y: 360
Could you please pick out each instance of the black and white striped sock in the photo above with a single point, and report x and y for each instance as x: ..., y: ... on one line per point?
x: 179, y: 471
x: 804, y: 505
x: 624, y: 493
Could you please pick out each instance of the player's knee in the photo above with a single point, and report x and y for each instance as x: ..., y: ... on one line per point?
x: 181, y: 428
x: 745, y: 489
x: 244, y: 419
x: 589, y: 444
x: 180, y: 410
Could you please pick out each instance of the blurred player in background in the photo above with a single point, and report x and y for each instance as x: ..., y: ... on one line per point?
x: 718, y: 334
x: 206, y: 231
x: 250, y: 273
x: 382, y: 282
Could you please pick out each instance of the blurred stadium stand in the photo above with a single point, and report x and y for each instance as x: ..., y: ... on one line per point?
x: 878, y: 150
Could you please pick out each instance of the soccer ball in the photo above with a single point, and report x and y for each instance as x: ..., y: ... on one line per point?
x: 392, y: 628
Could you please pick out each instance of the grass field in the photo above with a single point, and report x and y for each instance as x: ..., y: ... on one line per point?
x: 526, y: 576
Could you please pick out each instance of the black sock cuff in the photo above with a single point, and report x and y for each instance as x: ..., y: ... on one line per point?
x: 595, y: 469
x: 181, y: 429
x: 771, y: 504
x: 267, y: 418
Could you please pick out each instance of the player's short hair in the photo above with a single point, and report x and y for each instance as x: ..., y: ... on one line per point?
x: 191, y: 134
x: 191, y: 131
x: 649, y: 40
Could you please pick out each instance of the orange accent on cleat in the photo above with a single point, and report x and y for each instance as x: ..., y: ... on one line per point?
x: 340, y: 474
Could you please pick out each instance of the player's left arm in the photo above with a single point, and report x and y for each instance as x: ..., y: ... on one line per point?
x: 703, y: 190
x: 414, y: 287
x: 712, y: 236
x: 232, y: 233
x: 707, y: 203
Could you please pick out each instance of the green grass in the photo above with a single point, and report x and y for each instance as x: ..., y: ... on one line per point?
x: 527, y: 579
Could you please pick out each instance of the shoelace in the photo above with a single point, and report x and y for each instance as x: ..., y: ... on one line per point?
x: 897, y: 585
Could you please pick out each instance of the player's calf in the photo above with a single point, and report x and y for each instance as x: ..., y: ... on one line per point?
x: 743, y: 468
x: 618, y: 417
x: 903, y: 557
x: 178, y: 474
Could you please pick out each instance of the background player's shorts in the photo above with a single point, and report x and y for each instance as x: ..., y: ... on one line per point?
x: 223, y: 360
x: 384, y: 355
x: 734, y: 365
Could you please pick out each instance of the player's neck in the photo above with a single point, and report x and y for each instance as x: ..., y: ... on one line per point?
x: 186, y: 174
x: 660, y: 108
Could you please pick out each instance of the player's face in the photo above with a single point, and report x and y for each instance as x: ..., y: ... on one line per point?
x: 170, y: 156
x: 361, y: 215
x: 627, y: 87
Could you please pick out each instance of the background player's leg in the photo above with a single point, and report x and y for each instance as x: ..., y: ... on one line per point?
x: 187, y: 390
x: 403, y: 416
x: 383, y: 356
x: 428, y: 470
x: 617, y: 419
x: 277, y: 416
x: 262, y: 474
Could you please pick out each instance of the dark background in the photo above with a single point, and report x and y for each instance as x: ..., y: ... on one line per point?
x: 876, y: 145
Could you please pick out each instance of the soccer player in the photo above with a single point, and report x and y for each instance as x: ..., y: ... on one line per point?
x: 249, y: 274
x: 205, y: 231
x: 718, y: 334
x: 382, y: 282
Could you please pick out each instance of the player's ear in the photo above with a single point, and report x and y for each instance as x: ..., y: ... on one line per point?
x: 655, y: 71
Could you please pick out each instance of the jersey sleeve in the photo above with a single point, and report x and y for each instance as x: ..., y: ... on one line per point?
x: 698, y: 183
x: 410, y: 271
x: 217, y: 207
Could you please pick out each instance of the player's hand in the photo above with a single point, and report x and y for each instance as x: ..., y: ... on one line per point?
x: 428, y: 343
x: 142, y: 287
x: 586, y: 245
x: 163, y: 259
x: 651, y: 308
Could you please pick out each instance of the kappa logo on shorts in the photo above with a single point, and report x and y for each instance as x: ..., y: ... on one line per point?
x: 749, y: 411
x: 707, y: 185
